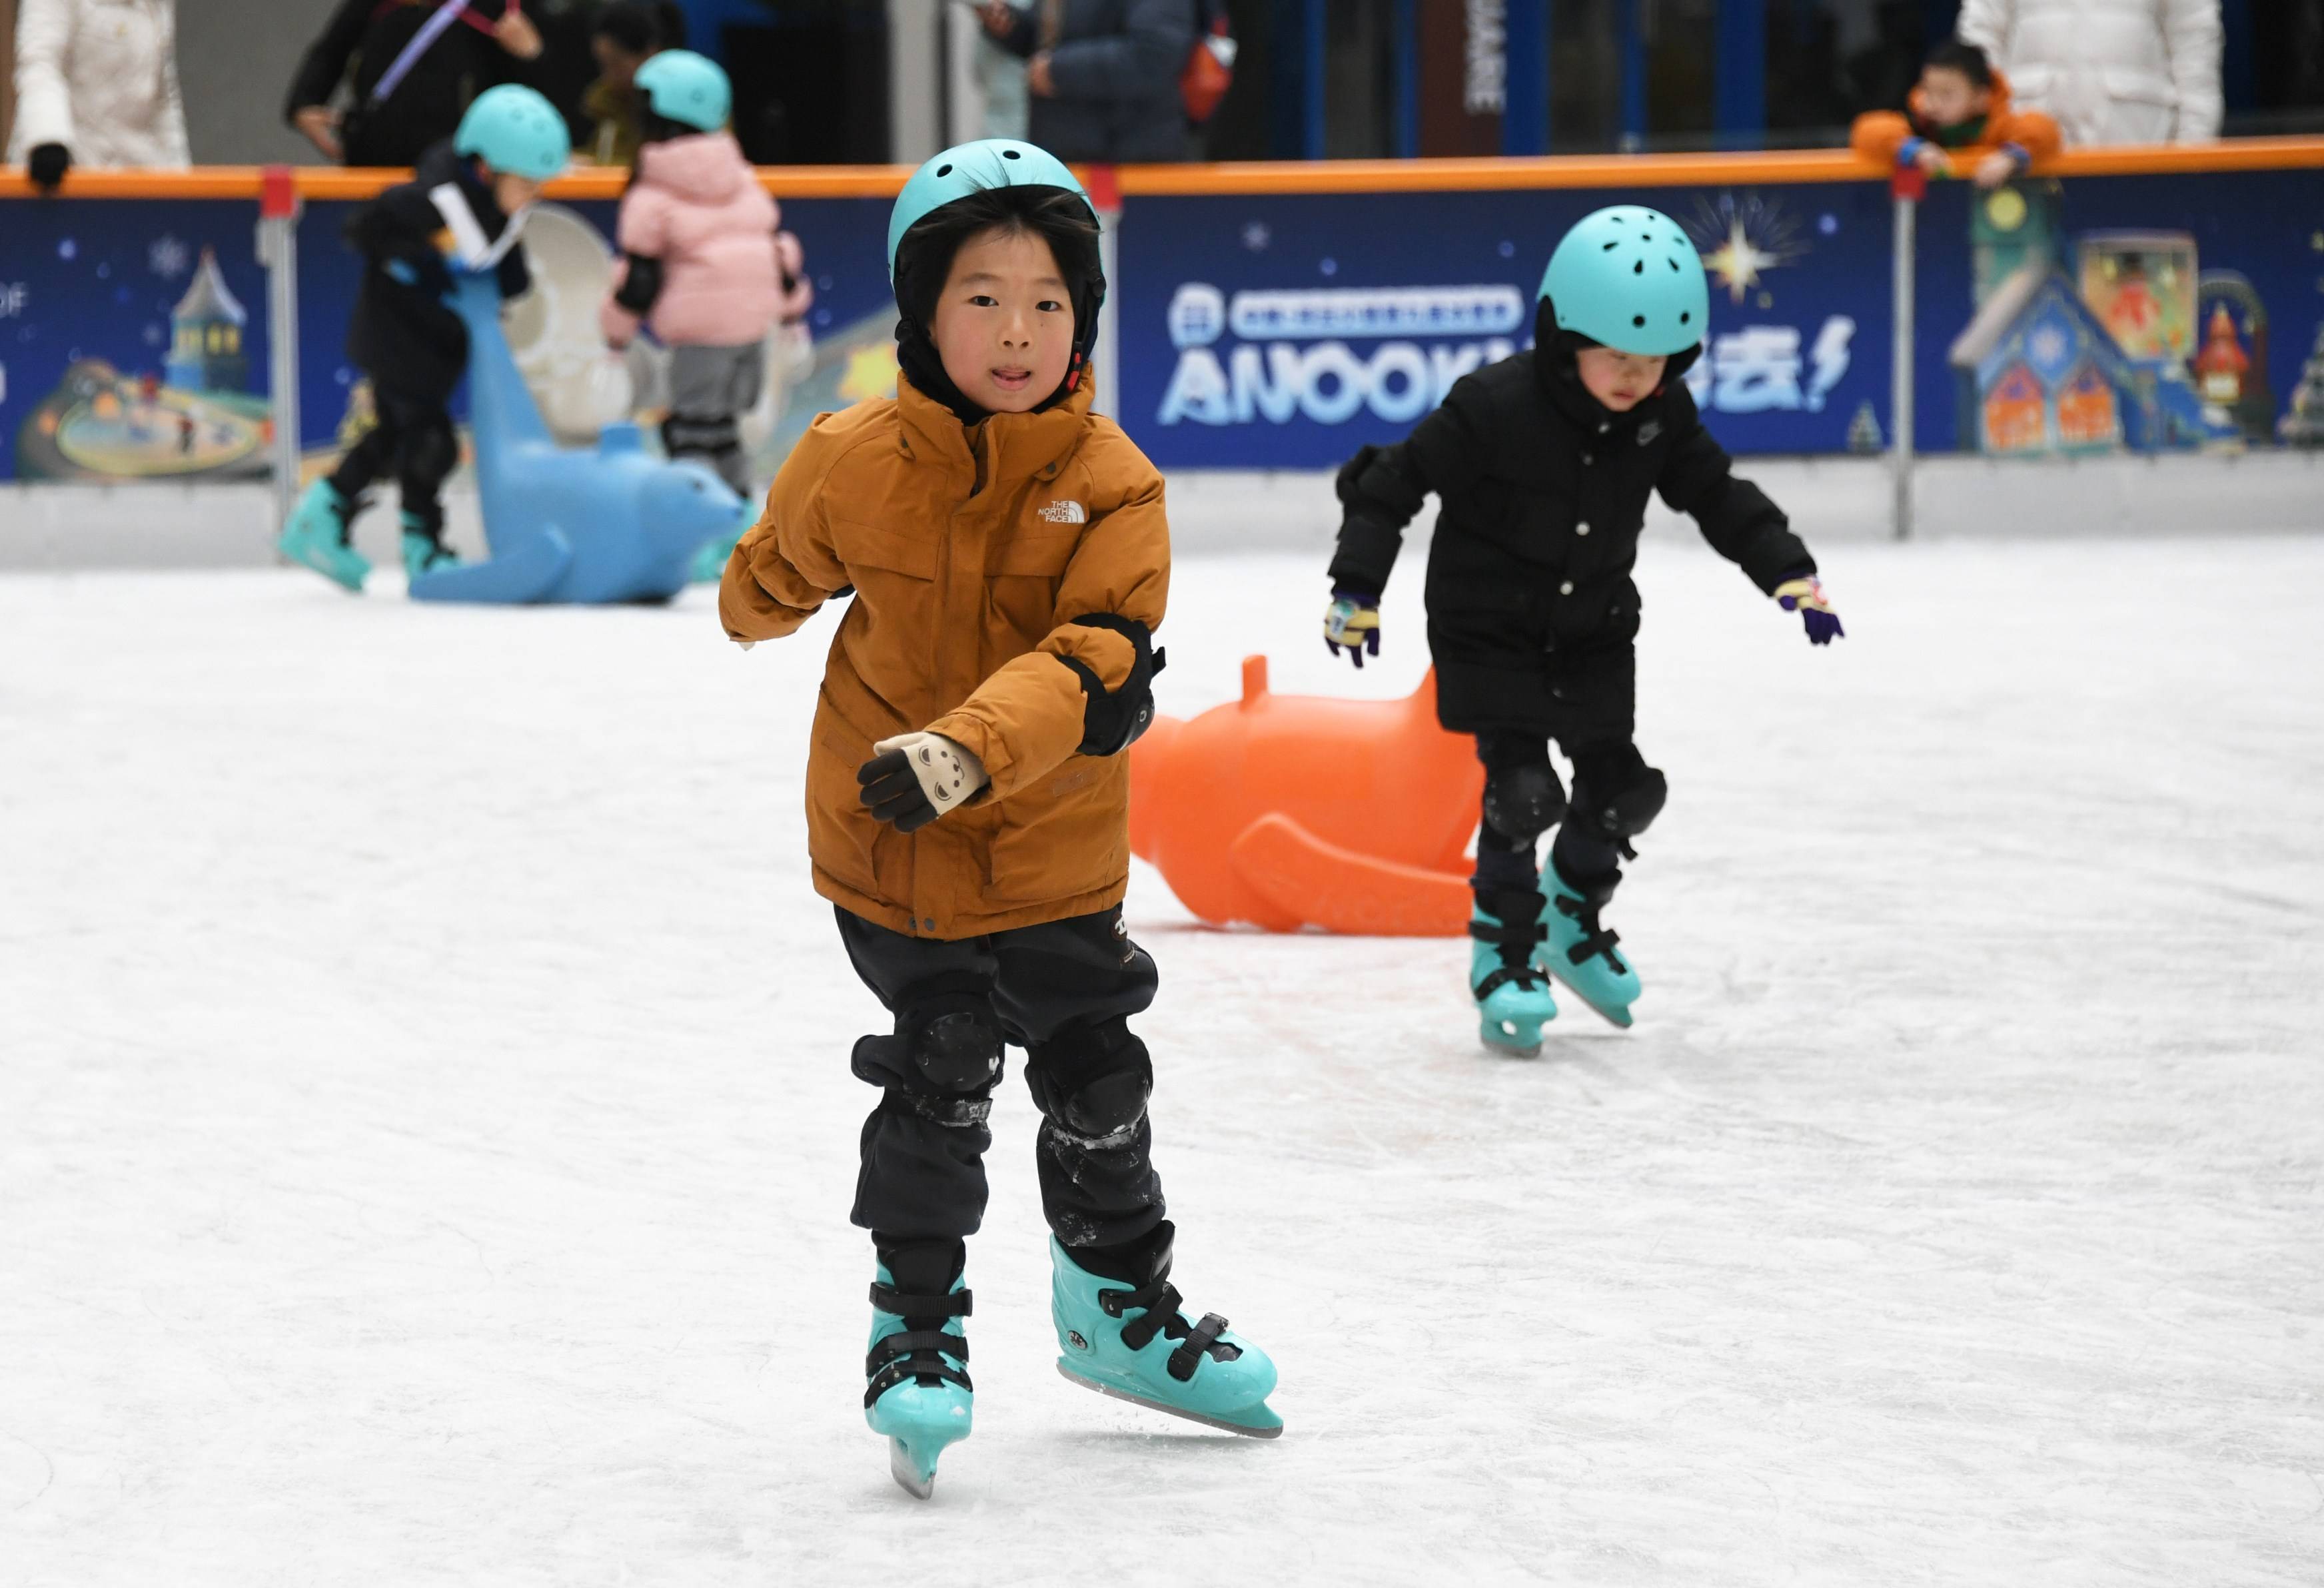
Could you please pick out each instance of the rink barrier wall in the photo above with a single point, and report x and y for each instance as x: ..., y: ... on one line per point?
x: 332, y: 183
x: 283, y: 192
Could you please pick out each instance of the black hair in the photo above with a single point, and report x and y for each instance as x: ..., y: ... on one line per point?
x: 642, y: 26
x: 653, y: 128
x: 1057, y: 216
x: 1956, y: 55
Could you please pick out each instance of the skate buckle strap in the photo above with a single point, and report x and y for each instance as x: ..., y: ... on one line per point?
x: 914, y: 1354
x: 1596, y: 939
x: 1159, y: 1301
x: 1184, y: 1360
x: 1516, y: 940
x: 887, y: 1299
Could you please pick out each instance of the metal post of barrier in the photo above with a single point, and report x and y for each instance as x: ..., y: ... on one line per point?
x: 1105, y: 194
x: 278, y: 251
x: 1908, y: 187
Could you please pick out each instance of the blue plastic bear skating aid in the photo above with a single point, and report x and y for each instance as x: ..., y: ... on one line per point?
x: 585, y: 526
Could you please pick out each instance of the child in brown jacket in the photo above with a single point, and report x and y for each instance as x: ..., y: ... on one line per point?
x: 967, y: 796
x: 1962, y: 102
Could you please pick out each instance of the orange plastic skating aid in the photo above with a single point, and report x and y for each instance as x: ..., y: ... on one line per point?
x: 1291, y: 811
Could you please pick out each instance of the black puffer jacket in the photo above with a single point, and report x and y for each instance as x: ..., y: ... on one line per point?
x: 403, y: 335
x: 1544, y: 493
x: 1116, y: 65
x: 362, y: 41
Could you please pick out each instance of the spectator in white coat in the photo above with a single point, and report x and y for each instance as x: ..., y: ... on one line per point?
x: 2108, y: 72
x: 96, y: 85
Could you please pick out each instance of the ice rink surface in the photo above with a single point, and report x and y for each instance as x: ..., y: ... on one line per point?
x: 426, y: 1135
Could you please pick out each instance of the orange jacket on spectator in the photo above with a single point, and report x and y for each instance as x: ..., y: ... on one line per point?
x: 1882, y: 135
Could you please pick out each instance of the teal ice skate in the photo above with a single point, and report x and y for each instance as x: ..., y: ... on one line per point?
x: 1579, y: 952
x: 919, y: 1393
x: 1130, y: 1342
x: 1513, y: 1000
x: 423, y: 553
x: 710, y: 562
x: 316, y: 536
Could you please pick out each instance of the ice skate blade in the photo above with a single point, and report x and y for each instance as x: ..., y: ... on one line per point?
x: 1618, y: 1016
x: 1499, y: 1041
x: 907, y: 1471
x: 1193, y: 1416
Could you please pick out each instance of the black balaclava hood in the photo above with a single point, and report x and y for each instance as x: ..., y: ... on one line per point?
x: 919, y: 280
x: 1556, y: 361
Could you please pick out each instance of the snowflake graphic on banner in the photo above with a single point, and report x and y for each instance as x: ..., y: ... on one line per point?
x: 169, y: 258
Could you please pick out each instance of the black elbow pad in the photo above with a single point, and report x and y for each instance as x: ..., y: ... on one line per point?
x: 642, y: 286
x: 1112, y: 719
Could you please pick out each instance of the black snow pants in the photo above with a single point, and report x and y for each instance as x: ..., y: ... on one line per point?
x: 413, y: 440
x: 1064, y: 992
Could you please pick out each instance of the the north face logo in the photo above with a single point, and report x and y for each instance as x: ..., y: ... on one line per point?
x: 1649, y: 431
x: 1064, y: 512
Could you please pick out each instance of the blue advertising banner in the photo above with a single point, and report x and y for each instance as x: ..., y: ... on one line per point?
x: 2153, y: 312
x: 1285, y: 331
x: 133, y: 341
x: 1282, y: 331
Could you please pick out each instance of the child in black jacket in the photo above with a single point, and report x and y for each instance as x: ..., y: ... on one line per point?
x: 463, y: 214
x: 1544, y: 463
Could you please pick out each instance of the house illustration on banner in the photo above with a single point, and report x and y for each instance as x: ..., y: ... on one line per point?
x: 2036, y: 373
x: 206, y: 333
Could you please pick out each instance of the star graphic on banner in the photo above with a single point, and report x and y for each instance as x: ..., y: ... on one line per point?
x: 871, y: 372
x: 1739, y: 261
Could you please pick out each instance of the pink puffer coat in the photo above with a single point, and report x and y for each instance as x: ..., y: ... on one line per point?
x: 697, y: 207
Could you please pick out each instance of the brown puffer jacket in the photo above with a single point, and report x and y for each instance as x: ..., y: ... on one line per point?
x: 972, y: 555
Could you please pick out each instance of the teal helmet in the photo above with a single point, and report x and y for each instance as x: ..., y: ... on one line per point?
x: 958, y: 172
x: 687, y: 88
x: 1629, y: 278
x: 511, y: 128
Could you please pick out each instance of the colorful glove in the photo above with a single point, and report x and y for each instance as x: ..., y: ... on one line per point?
x: 914, y: 778
x: 1805, y: 597
x: 1353, y: 620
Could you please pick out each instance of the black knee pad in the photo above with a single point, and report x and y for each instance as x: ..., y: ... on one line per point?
x: 1616, y: 794
x: 425, y: 459
x: 1092, y: 1084
x: 942, y: 1062
x: 1522, y: 803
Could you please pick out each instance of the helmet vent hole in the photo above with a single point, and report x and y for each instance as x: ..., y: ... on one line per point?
x: 943, y: 170
x: 1638, y: 268
x: 1011, y: 154
x: 1612, y: 246
x: 1673, y: 264
x: 1638, y: 319
x: 1686, y: 317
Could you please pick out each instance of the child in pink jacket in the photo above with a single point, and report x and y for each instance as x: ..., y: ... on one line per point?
x: 703, y: 265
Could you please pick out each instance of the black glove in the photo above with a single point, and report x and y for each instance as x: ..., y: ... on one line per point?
x: 46, y: 165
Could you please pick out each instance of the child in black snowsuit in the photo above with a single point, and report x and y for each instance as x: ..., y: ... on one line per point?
x: 1544, y: 463
x: 462, y: 214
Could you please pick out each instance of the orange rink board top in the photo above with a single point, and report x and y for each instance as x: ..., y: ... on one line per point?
x: 1270, y: 177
